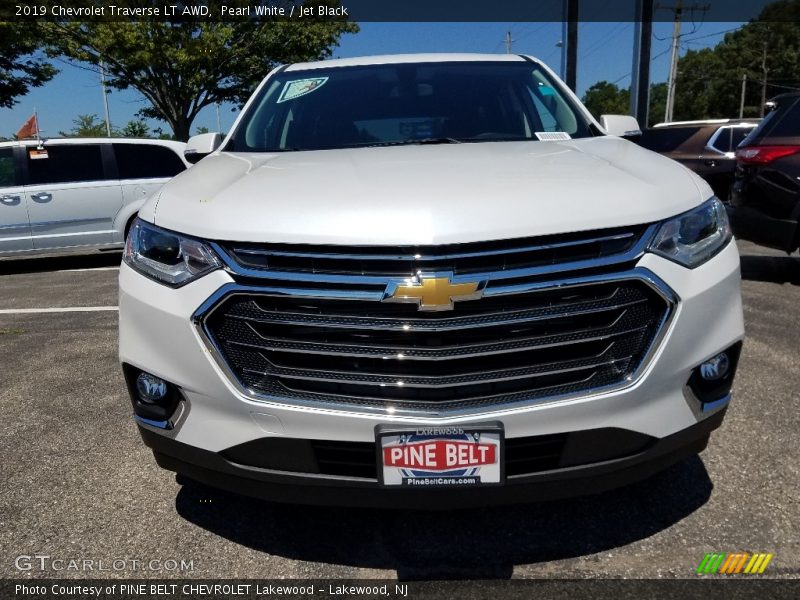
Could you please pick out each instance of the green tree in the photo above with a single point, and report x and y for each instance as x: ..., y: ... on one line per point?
x: 604, y: 98
x: 709, y: 81
x: 160, y: 134
x: 200, y: 130
x: 135, y: 129
x: 182, y: 67
x: 86, y: 126
x: 658, y: 104
x: 20, y: 67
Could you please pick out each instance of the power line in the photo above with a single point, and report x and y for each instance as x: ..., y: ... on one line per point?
x: 524, y: 35
x: 617, y: 30
x: 708, y: 35
x: 628, y: 74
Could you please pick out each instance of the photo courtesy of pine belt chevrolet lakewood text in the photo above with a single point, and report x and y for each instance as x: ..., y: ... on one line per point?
x: 427, y: 281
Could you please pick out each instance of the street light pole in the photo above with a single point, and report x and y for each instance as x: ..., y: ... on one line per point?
x: 744, y: 88
x: 764, y: 72
x: 105, y: 98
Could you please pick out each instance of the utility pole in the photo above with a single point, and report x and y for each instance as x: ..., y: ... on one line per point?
x: 508, y: 42
x: 744, y: 88
x: 764, y: 72
x: 673, y: 64
x: 678, y: 9
x: 105, y: 98
x: 219, y: 123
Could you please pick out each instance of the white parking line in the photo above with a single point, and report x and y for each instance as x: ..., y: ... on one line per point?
x: 92, y: 269
x: 27, y: 311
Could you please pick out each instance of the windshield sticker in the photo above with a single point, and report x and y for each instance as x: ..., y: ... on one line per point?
x: 300, y: 87
x: 552, y: 136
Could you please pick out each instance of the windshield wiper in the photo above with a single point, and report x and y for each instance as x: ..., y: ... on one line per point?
x: 412, y: 142
x: 436, y: 140
x: 421, y: 141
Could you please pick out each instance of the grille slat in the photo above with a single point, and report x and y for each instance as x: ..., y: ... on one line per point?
x: 404, y: 353
x: 433, y: 381
x: 528, y: 341
x: 444, y: 324
x: 503, y: 255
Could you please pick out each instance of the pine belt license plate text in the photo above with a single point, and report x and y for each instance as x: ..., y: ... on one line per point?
x: 440, y: 457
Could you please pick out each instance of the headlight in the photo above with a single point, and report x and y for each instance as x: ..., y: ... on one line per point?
x: 166, y: 256
x: 694, y: 237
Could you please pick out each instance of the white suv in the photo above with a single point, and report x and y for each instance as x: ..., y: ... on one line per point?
x: 397, y: 276
x: 78, y: 193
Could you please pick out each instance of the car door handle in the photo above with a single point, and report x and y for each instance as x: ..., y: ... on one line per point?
x: 710, y: 163
x: 42, y: 196
x: 9, y: 200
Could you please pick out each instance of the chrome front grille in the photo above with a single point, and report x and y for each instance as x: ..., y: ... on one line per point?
x: 552, y: 330
x: 377, y: 263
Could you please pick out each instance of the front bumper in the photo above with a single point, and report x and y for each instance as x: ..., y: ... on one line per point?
x: 214, y: 469
x: 156, y: 335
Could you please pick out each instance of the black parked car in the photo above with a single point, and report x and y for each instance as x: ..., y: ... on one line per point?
x: 706, y: 147
x: 765, y: 203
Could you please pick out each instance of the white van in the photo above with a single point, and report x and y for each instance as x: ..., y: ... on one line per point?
x: 78, y: 193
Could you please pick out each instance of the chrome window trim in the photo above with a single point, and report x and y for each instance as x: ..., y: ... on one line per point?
x: 713, y: 139
x: 636, y: 273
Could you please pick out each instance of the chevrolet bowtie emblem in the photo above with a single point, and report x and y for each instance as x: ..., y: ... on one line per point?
x: 433, y: 292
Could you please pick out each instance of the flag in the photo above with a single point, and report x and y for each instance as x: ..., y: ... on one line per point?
x: 29, y: 129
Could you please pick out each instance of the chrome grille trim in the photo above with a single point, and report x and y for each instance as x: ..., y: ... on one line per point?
x: 375, y: 379
x: 422, y: 257
x: 449, y: 324
x: 379, y: 281
x: 442, y: 353
x: 437, y: 355
x: 285, y: 396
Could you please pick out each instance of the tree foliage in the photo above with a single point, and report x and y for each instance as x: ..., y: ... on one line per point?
x: 182, y: 67
x: 93, y: 126
x: 709, y: 81
x: 604, y: 98
x: 86, y: 126
x: 20, y: 67
x: 135, y: 129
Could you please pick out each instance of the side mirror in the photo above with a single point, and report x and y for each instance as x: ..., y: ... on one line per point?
x: 623, y: 126
x: 200, y: 146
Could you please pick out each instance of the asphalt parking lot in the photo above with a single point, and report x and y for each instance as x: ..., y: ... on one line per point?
x: 79, y: 484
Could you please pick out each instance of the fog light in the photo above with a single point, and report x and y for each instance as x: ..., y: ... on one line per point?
x: 151, y: 388
x: 715, y: 368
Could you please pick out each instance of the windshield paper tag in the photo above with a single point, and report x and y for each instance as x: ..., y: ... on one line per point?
x: 300, y: 87
x: 552, y: 136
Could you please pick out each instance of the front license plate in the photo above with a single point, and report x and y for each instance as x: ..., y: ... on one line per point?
x: 437, y: 457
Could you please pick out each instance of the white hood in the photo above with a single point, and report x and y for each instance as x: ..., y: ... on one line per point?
x: 431, y: 194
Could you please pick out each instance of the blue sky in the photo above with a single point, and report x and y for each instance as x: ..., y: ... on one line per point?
x: 604, y: 53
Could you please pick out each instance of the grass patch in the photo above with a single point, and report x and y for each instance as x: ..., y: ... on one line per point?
x: 12, y: 331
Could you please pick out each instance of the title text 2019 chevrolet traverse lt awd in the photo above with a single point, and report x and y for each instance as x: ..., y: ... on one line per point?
x: 427, y: 281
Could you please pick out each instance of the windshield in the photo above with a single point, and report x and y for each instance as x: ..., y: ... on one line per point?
x: 394, y: 104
